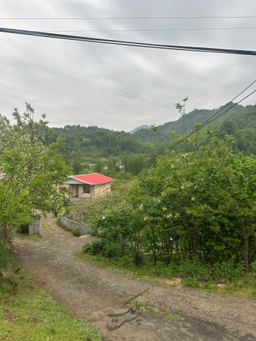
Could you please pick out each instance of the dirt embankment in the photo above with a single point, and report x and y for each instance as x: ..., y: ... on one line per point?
x: 97, y: 293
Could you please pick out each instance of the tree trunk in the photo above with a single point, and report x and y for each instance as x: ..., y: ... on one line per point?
x: 5, y: 233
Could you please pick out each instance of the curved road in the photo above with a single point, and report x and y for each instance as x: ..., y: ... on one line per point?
x: 93, y: 293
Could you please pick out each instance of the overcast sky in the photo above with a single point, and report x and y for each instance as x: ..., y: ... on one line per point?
x: 119, y: 87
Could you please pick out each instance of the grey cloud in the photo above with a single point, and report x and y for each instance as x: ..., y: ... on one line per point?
x: 122, y: 87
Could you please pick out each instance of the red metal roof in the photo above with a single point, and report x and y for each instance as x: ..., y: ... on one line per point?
x: 93, y: 179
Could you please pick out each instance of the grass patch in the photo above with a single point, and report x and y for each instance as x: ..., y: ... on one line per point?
x: 50, y: 229
x: 166, y: 314
x: 28, y: 313
x: 59, y: 223
x: 148, y: 274
x: 34, y: 237
x: 245, y: 287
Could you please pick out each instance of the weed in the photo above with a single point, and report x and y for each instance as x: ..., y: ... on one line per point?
x: 31, y: 314
x: 190, y: 282
x: 50, y: 229
x: 77, y: 232
x: 164, y: 313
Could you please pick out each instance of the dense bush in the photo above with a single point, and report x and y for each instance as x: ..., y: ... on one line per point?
x: 23, y: 228
x: 77, y: 232
x: 194, y: 212
x: 120, y: 234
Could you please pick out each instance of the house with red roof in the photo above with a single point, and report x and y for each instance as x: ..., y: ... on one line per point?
x: 87, y: 186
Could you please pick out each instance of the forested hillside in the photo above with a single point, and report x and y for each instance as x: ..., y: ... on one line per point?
x: 239, y: 122
x: 245, y: 117
x: 85, y: 145
x: 86, y: 141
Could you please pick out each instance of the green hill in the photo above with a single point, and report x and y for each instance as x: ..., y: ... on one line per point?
x: 88, y: 144
x: 87, y: 141
x: 244, y: 117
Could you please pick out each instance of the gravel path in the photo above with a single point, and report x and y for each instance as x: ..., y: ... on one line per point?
x: 93, y: 293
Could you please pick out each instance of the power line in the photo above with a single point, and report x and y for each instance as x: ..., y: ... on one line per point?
x: 214, y: 117
x: 127, y: 43
x: 220, y: 112
x: 132, y: 18
x: 161, y: 29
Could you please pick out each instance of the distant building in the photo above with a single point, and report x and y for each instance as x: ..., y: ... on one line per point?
x: 119, y: 164
x: 87, y: 186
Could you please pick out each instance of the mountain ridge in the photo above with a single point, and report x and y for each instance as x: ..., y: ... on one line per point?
x: 244, y: 116
x: 144, y: 126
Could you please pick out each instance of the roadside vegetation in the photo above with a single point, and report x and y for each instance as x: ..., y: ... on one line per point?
x: 192, y: 215
x: 84, y: 212
x: 28, y: 313
x: 77, y: 232
x: 237, y: 284
x: 184, y: 216
x: 29, y: 170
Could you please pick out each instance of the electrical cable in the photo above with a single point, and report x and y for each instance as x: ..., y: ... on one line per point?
x: 159, y: 29
x: 127, y: 43
x: 130, y: 18
x: 214, y: 117
x: 211, y: 119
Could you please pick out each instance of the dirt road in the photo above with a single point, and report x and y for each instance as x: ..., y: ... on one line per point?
x: 94, y: 293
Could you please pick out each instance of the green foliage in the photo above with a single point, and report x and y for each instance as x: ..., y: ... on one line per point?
x: 77, y: 167
x: 99, y: 166
x: 230, y: 270
x: 4, y: 258
x: 190, y: 282
x: 117, y: 197
x: 10, y: 273
x: 194, y: 211
x: 120, y: 234
x: 191, y: 268
x: 204, y: 201
x: 28, y: 313
x: 31, y: 171
x: 23, y: 228
x: 58, y: 222
x: 239, y: 122
x: 77, y: 232
x: 81, y: 142
x: 254, y: 268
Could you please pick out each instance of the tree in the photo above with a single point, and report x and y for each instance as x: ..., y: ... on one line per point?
x: 77, y: 167
x: 203, y: 200
x: 182, y: 110
x: 99, y: 166
x: 31, y: 171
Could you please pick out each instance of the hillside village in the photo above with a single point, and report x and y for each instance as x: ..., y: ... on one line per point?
x: 168, y: 209
x: 127, y: 170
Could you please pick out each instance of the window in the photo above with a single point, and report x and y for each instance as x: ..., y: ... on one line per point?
x: 86, y: 189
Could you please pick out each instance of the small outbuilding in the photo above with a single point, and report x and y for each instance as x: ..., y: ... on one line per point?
x: 87, y: 186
